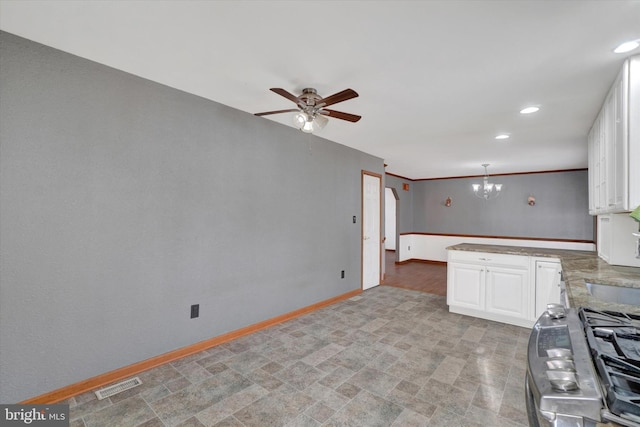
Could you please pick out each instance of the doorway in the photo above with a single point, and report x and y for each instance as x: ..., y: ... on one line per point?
x: 371, y: 229
x: 391, y: 221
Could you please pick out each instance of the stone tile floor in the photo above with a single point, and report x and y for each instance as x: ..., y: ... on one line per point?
x: 387, y: 357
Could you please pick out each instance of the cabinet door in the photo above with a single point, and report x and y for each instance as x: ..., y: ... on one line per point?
x: 465, y: 285
x: 591, y: 150
x: 597, y: 166
x: 507, y: 291
x: 605, y: 234
x: 631, y: 112
x: 547, y: 285
x: 616, y: 147
x: 601, y: 186
x: 613, y: 178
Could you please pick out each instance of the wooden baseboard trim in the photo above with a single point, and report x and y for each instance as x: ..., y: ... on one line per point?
x: 93, y: 383
x: 424, y: 261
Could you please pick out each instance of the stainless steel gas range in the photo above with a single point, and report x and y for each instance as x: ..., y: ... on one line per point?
x: 584, y: 369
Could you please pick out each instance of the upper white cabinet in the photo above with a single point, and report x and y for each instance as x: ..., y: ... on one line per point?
x: 614, y: 146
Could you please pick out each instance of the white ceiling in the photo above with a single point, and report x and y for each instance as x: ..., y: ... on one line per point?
x: 437, y: 79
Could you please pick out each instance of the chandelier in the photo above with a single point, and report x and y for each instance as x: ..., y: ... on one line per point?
x: 486, y: 190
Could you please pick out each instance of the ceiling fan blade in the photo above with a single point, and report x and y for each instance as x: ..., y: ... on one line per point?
x: 340, y: 115
x: 338, y: 97
x: 288, y: 95
x: 276, y: 112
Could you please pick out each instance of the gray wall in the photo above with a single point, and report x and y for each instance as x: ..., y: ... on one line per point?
x: 561, y: 210
x: 405, y: 205
x: 123, y: 202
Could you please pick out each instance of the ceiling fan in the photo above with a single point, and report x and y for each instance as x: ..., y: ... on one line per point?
x: 312, y: 114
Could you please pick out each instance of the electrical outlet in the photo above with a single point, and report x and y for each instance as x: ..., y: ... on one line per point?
x: 195, y: 311
x: 342, y: 274
x: 408, y: 248
x: 354, y: 219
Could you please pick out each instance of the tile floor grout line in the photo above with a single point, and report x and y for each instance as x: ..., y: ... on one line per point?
x: 417, y: 330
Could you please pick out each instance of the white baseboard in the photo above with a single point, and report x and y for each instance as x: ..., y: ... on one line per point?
x: 434, y: 247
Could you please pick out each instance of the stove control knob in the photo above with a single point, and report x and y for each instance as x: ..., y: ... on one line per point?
x: 563, y: 380
x: 561, y: 364
x: 556, y: 311
x: 559, y: 353
x: 564, y: 385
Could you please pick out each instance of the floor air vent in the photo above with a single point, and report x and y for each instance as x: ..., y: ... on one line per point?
x: 356, y: 298
x: 118, y: 388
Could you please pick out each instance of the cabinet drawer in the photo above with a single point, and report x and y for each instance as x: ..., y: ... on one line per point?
x: 489, y: 258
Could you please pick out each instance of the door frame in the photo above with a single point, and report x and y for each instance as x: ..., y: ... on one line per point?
x: 380, y: 231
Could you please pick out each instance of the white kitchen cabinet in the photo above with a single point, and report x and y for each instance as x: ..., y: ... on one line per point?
x: 595, y: 176
x: 507, y: 292
x: 467, y: 285
x: 491, y: 286
x: 547, y: 275
x: 616, y: 137
x: 616, y: 243
x: 614, y: 146
x: 633, y: 133
x: 604, y: 236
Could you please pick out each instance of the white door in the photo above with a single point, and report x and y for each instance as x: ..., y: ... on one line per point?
x: 371, y: 236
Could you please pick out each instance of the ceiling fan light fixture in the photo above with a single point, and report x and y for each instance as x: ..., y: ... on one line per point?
x: 300, y: 119
x: 307, y: 127
x: 627, y: 46
x: 321, y: 121
x: 311, y: 115
x: 309, y: 123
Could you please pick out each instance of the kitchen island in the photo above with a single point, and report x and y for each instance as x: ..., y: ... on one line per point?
x: 578, y: 268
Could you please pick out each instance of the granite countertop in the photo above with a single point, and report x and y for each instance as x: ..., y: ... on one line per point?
x: 578, y: 267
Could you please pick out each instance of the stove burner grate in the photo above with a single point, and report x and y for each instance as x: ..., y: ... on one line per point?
x: 614, y: 341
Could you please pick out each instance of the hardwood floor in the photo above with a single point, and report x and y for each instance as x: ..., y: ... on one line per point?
x: 419, y: 276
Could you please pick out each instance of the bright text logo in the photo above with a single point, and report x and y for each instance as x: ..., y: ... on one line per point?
x: 35, y: 415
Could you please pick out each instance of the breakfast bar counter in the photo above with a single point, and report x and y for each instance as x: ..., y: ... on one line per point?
x: 578, y: 269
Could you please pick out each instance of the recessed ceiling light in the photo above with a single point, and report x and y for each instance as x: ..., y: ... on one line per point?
x: 529, y: 110
x: 627, y: 46
x: 502, y: 136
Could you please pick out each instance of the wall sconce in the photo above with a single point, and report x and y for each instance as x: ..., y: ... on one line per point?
x: 447, y: 202
x: 531, y: 200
